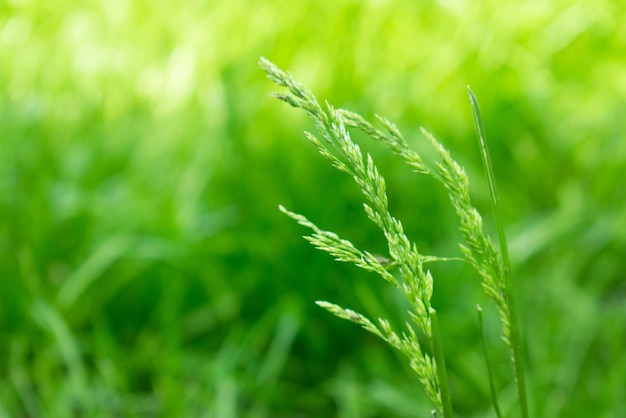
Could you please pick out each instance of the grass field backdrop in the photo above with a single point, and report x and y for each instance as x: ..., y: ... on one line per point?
x: 145, y: 269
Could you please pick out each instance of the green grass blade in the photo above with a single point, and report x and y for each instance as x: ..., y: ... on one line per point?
x: 491, y: 181
x: 492, y: 386
x: 516, y: 340
x: 441, y: 366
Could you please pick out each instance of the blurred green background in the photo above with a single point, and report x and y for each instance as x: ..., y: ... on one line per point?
x: 146, y: 271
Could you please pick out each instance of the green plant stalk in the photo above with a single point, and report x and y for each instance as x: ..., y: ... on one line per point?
x: 516, y: 339
x: 444, y: 390
x: 413, y: 280
x: 492, y: 386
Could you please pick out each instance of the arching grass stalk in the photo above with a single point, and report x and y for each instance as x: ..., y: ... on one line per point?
x: 515, y: 339
x: 410, y: 275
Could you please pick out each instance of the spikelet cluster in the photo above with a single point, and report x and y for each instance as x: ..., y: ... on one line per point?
x: 410, y: 276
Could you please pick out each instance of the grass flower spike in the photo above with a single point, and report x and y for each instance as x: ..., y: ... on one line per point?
x: 410, y: 275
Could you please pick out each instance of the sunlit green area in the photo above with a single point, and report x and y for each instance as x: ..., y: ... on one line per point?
x: 146, y: 271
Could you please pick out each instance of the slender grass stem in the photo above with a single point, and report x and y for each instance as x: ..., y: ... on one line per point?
x: 492, y: 386
x: 416, y: 283
x: 441, y: 366
x: 515, y: 338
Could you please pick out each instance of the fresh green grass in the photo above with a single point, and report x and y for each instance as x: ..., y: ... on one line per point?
x: 413, y: 278
x: 145, y: 270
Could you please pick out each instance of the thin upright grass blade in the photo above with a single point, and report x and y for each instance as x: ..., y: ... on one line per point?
x: 515, y: 339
